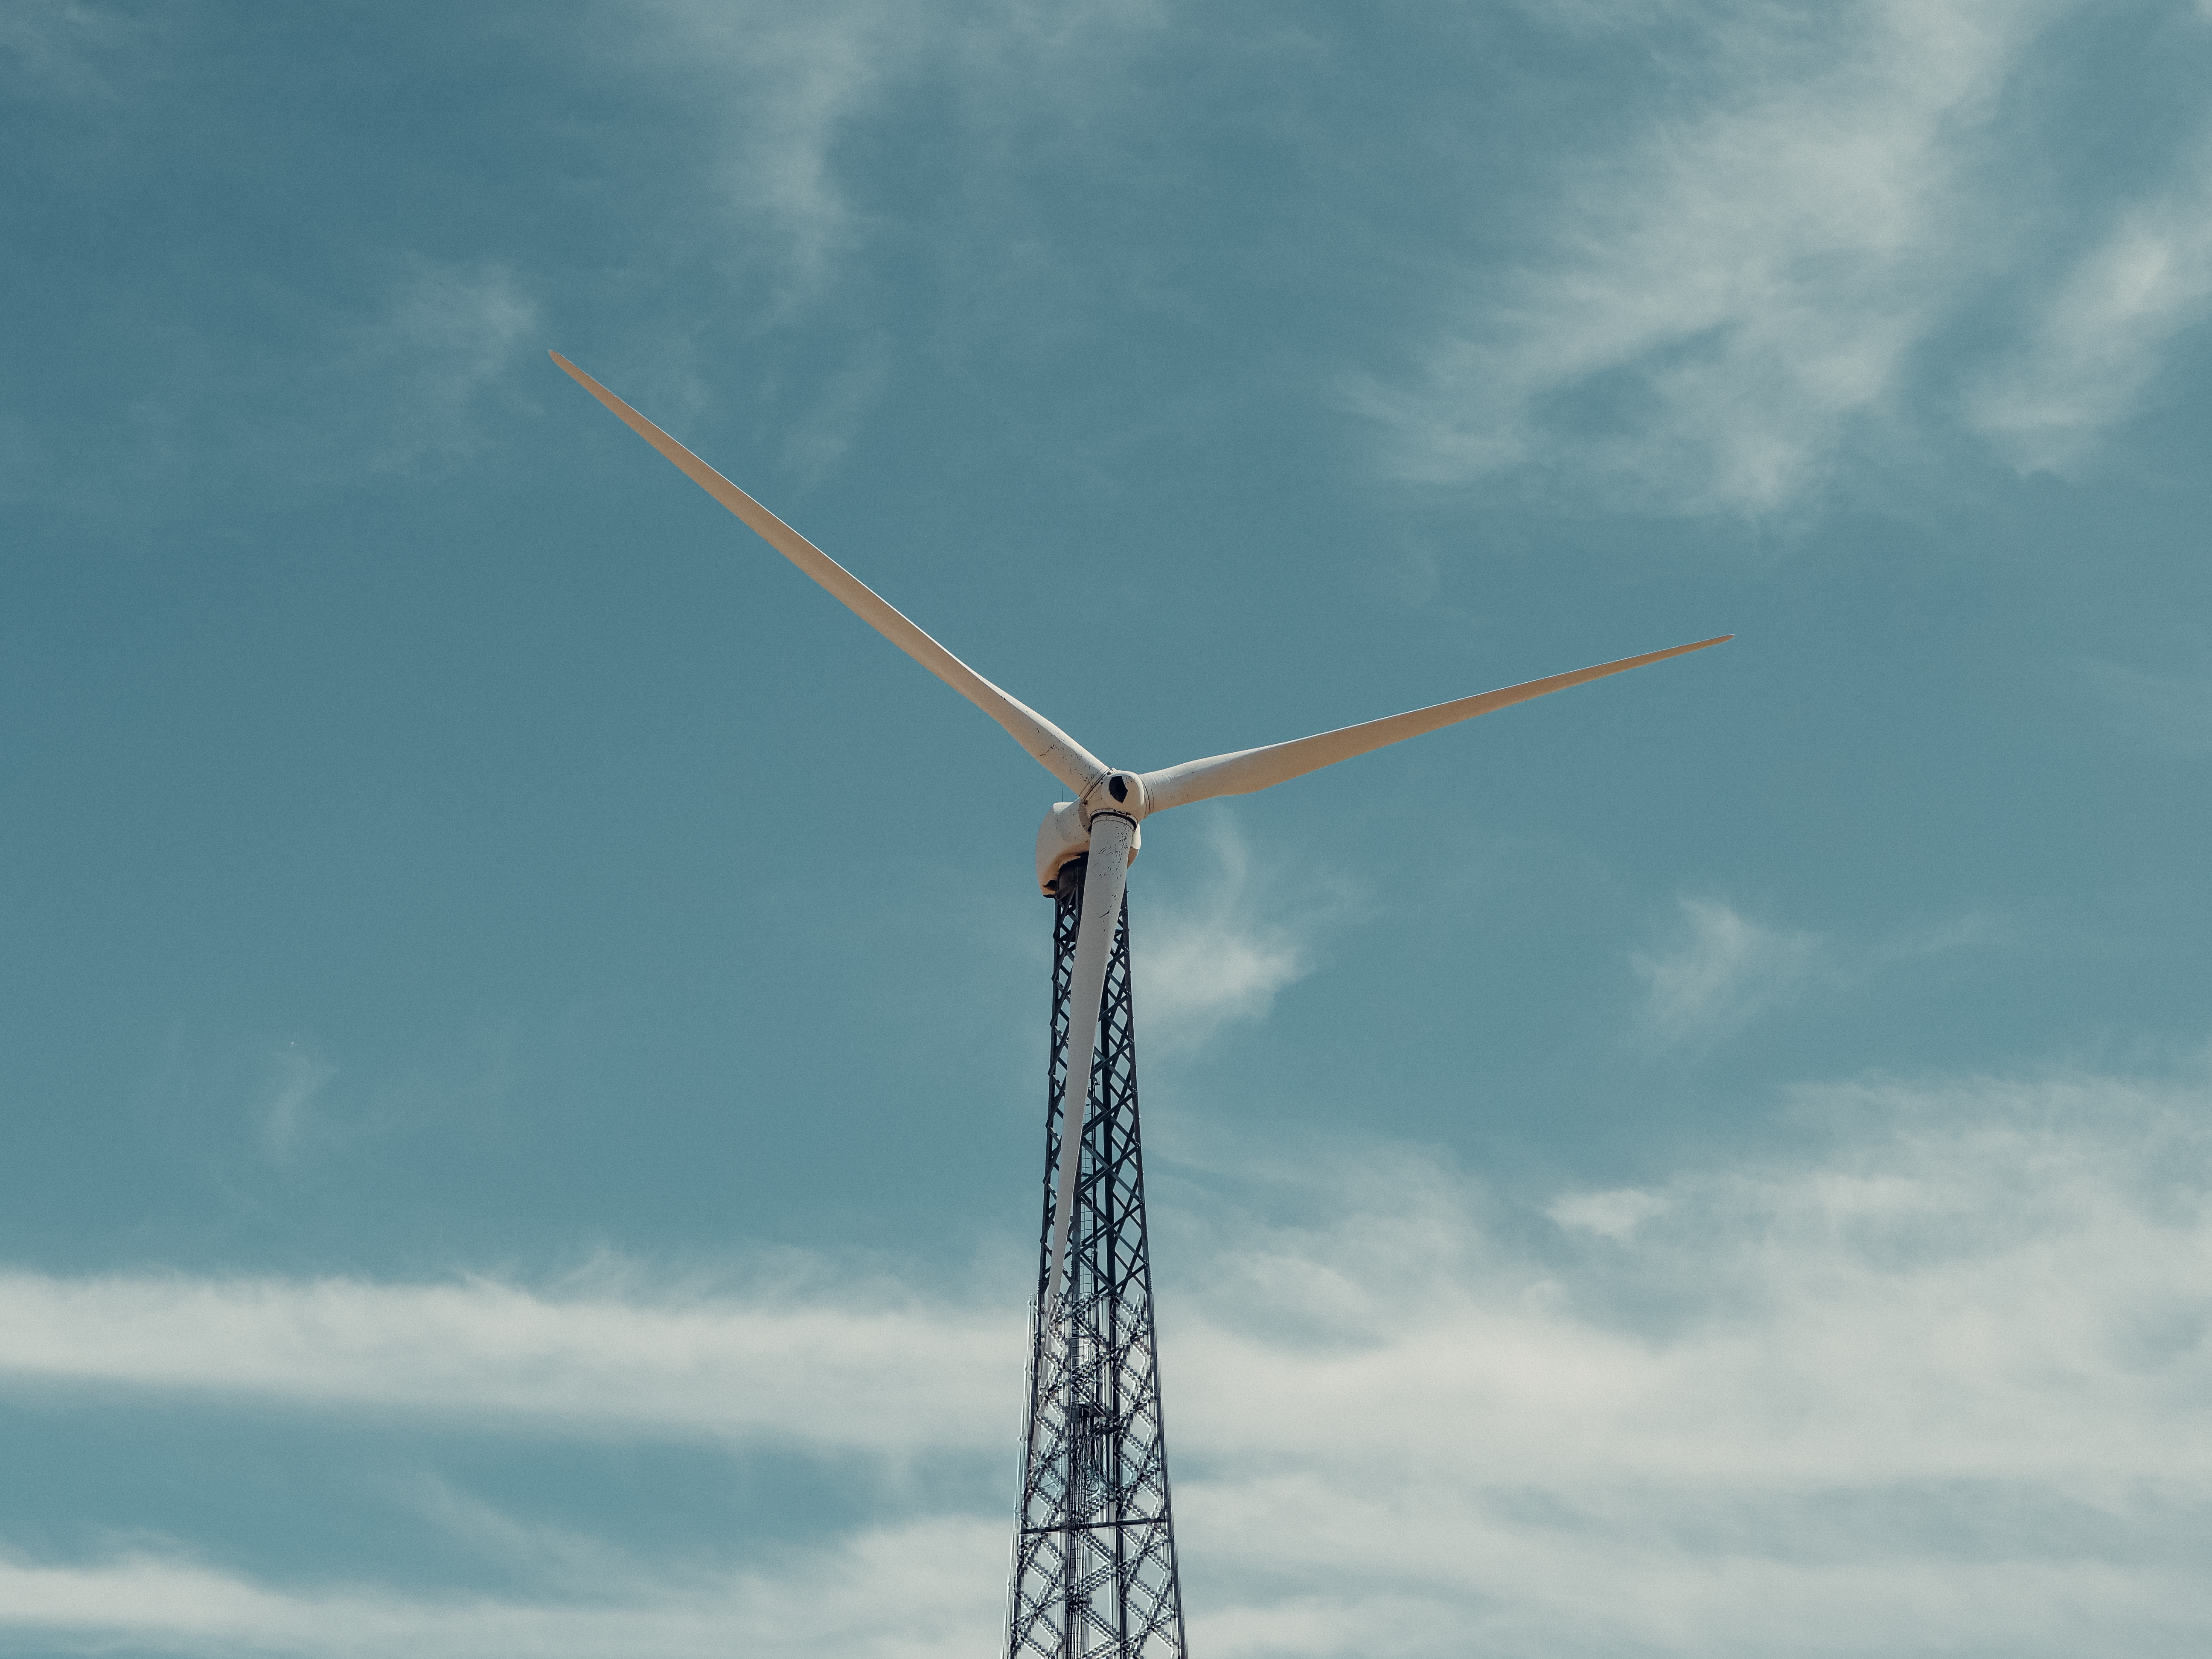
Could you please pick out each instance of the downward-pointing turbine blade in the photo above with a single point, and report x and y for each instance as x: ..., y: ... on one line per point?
x: 1248, y: 769
x: 1058, y: 753
x: 1103, y: 882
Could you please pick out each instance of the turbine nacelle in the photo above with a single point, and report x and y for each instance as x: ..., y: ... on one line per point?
x: 1064, y: 835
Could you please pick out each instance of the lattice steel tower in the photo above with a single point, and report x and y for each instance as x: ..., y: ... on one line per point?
x: 1094, y: 1574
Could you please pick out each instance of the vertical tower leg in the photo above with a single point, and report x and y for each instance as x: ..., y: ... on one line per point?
x: 1094, y: 1573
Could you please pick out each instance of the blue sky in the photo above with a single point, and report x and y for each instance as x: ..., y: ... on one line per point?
x: 524, y: 1023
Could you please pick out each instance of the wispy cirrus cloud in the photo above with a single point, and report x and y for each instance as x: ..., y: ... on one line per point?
x: 781, y: 95
x: 2099, y: 342
x: 788, y: 82
x: 419, y: 343
x: 445, y: 338
x: 1208, y: 962
x: 1934, y: 1381
x: 1722, y: 970
x: 1761, y: 282
x: 416, y: 374
x: 295, y: 1076
x: 1724, y: 296
x: 1717, y: 968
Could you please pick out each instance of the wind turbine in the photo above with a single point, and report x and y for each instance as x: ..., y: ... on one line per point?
x: 1094, y: 1444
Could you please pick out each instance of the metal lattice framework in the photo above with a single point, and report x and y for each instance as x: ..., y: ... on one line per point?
x: 1094, y: 1574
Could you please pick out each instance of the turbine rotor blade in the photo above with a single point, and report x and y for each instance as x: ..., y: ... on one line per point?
x: 1103, y: 882
x: 1248, y: 769
x: 1053, y: 749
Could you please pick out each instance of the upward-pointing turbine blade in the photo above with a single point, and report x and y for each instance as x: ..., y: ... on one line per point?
x: 1058, y: 753
x: 1248, y: 769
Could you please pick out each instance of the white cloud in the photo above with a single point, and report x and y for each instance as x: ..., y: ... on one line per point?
x: 1939, y: 1380
x: 1721, y: 969
x: 296, y: 1077
x: 2102, y: 338
x: 1955, y: 1271
x: 1610, y: 1214
x: 1725, y: 969
x: 792, y: 78
x: 1202, y: 964
x: 783, y: 92
x: 1939, y: 1387
x: 907, y: 1593
x: 445, y: 339
x: 74, y: 51
x: 776, y: 1366
x: 1731, y: 296
x: 1760, y: 269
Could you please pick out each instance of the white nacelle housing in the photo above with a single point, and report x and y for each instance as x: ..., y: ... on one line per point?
x: 1061, y: 837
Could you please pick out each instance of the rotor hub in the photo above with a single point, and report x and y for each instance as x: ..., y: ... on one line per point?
x: 1064, y: 835
x: 1122, y: 794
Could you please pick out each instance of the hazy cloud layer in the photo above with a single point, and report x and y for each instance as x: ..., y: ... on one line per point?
x: 2173, y: 712
x: 1942, y: 1385
x: 906, y: 1592
x: 785, y: 1366
x: 76, y: 52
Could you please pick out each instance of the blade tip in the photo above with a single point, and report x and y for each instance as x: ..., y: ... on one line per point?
x: 579, y: 377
